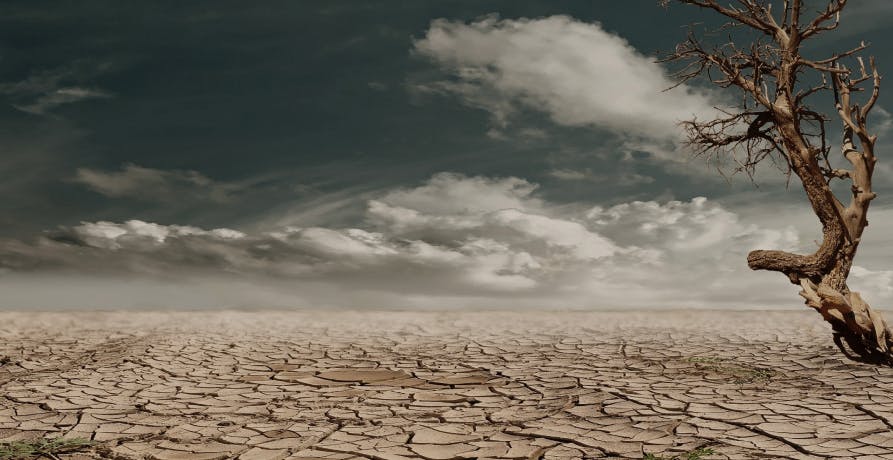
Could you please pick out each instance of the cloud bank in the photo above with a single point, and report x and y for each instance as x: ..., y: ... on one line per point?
x: 454, y: 241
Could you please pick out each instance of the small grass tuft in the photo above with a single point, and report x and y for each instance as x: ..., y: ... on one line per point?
x: 754, y: 374
x: 696, y: 454
x: 740, y: 373
x: 21, y: 450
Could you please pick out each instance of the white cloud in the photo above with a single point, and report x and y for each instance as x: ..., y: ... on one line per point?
x: 454, y: 241
x: 109, y: 235
x: 686, y: 226
x: 449, y: 193
x: 883, y: 122
x: 872, y: 281
x: 576, y: 72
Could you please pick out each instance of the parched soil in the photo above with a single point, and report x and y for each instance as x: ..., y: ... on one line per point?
x: 434, y: 385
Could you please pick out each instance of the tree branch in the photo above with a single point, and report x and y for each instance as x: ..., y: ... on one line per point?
x: 832, y: 11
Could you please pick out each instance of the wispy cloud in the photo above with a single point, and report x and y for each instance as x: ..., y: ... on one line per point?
x: 45, y: 90
x: 622, y: 178
x: 149, y: 184
x: 49, y: 101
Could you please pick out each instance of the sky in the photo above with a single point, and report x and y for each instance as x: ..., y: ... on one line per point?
x: 386, y: 154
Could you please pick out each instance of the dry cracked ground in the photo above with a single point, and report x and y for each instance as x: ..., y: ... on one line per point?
x: 434, y: 385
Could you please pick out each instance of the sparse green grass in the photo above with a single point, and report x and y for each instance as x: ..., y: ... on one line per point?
x: 739, y: 373
x: 21, y: 450
x: 696, y: 454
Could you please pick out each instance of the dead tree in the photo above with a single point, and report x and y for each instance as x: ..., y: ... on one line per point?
x: 775, y: 121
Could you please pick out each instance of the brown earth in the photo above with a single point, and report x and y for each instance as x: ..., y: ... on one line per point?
x: 393, y: 385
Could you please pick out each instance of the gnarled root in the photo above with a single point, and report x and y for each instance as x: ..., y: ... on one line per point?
x: 863, y: 329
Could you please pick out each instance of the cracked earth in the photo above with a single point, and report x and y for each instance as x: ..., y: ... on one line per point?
x: 394, y: 385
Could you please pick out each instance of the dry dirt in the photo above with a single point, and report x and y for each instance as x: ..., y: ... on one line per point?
x: 393, y: 385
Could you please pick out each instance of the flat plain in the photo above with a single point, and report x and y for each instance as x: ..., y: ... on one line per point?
x: 440, y: 385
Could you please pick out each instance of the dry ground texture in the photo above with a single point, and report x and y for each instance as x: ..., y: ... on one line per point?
x: 394, y: 385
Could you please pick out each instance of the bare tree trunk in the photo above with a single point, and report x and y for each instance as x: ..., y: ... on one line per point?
x: 822, y: 275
